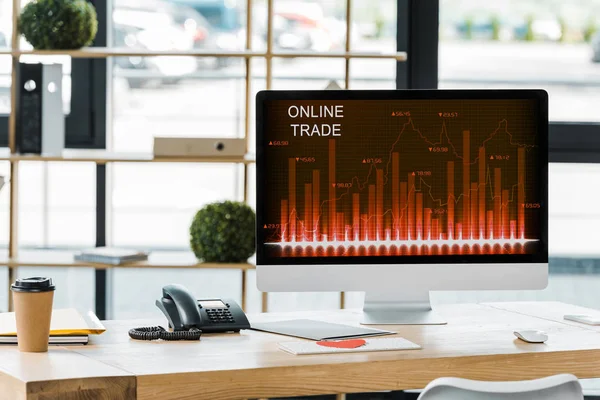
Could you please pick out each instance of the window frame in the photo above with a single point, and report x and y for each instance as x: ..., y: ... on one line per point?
x: 574, y: 142
x: 417, y: 34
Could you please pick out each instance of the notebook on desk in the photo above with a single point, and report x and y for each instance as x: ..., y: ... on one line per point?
x: 66, y: 321
x: 60, y: 340
x: 317, y: 330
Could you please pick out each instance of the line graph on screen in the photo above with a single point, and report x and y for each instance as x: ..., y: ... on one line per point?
x: 458, y: 191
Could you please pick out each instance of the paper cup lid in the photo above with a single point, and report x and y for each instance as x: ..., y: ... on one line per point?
x: 33, y: 285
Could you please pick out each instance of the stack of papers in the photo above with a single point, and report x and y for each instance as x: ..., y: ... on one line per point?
x: 67, y: 326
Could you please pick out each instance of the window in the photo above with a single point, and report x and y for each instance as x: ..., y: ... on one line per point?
x: 4, y: 89
x: 122, y: 103
x: 5, y: 64
x: 554, y: 46
x: 524, y: 44
x: 153, y: 205
x: 4, y: 293
x: 56, y: 205
x: 74, y: 286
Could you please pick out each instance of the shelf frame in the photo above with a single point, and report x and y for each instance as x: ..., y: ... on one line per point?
x: 64, y: 263
x: 101, y: 158
x: 106, y: 52
x: 104, y: 157
x: 12, y: 145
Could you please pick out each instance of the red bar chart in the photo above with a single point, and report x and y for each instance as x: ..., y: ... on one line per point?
x: 408, y: 218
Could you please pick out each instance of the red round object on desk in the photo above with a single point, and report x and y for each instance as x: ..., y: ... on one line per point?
x: 343, y: 344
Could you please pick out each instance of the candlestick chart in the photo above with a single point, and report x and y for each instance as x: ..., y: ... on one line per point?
x: 414, y: 177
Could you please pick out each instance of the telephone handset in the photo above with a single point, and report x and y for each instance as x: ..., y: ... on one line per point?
x: 180, y: 308
x: 189, y: 317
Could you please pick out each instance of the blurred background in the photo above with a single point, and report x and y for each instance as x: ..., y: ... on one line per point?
x: 549, y: 44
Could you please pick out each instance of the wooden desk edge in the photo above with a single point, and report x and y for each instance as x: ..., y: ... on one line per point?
x: 104, y: 387
x: 355, y: 378
x: 35, y: 381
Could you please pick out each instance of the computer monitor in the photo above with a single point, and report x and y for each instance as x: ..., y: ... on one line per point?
x: 397, y: 193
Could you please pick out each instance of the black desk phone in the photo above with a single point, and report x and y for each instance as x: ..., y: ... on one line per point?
x: 189, y: 318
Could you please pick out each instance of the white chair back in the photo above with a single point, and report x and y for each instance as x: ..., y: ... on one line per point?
x: 557, y: 387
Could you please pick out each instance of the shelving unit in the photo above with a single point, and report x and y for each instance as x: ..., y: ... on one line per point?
x: 105, y: 157
x: 43, y: 258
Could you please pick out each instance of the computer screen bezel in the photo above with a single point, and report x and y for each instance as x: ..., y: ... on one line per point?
x: 541, y: 96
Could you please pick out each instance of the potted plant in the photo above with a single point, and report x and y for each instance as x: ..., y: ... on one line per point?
x: 58, y: 24
x: 223, y: 232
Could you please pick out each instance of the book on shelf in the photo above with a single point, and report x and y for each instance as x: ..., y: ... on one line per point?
x: 111, y: 255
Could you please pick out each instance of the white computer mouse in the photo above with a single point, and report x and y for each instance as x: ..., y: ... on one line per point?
x: 531, y: 336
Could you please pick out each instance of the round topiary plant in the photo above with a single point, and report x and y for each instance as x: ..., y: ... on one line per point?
x: 223, y: 232
x: 58, y: 24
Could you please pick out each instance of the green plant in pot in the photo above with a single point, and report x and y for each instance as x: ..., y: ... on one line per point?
x: 58, y: 24
x: 223, y: 232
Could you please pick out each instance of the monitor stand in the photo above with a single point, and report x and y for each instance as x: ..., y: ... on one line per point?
x: 403, y: 307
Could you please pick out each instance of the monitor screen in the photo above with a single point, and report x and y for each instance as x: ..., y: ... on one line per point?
x: 410, y: 179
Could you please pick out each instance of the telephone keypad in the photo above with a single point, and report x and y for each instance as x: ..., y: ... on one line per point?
x: 220, y: 316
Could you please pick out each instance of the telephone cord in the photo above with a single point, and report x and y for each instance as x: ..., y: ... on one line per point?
x: 158, y: 332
